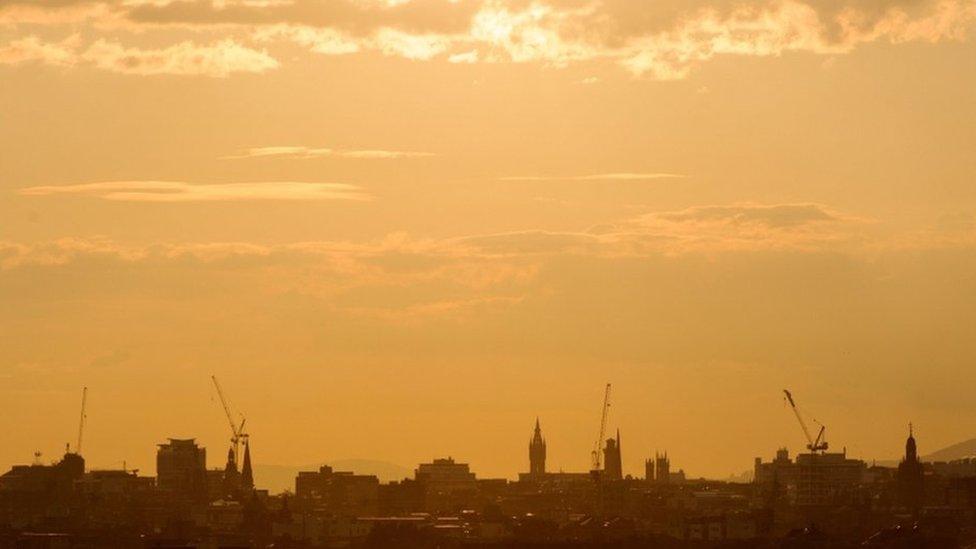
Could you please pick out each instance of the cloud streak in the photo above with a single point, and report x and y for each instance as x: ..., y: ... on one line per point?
x: 305, y: 153
x: 219, y: 59
x: 617, y: 176
x: 178, y: 191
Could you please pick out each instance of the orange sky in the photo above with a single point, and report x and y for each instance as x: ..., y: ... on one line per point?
x: 401, y: 229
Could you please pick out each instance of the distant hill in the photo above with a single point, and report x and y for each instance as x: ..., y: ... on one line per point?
x: 278, y: 478
x: 956, y: 451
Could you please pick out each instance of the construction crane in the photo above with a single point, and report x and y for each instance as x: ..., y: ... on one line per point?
x: 237, y: 431
x: 81, y: 422
x: 813, y: 444
x: 598, y: 447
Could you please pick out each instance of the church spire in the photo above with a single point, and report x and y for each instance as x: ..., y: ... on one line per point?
x: 537, y: 452
x: 247, y: 474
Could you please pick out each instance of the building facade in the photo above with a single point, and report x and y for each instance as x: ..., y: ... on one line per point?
x: 181, y: 468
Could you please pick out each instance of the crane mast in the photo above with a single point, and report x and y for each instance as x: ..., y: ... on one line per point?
x: 814, y: 445
x: 598, y: 447
x: 81, y: 422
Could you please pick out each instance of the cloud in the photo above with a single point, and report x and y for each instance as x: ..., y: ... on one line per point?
x: 219, y: 59
x: 464, y: 57
x: 699, y: 229
x: 663, y: 41
x: 353, y: 17
x: 526, y: 243
x: 618, y: 176
x: 732, y: 227
x: 31, y: 48
x: 744, y: 226
x: 300, y: 152
x: 177, y: 191
x: 776, y: 215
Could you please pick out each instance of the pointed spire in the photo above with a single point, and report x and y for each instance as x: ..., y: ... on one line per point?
x: 247, y: 474
x: 231, y: 461
x: 537, y: 435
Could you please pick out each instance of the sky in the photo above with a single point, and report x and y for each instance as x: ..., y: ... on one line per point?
x: 405, y: 229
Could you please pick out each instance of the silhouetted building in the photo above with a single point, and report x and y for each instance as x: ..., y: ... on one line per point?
x: 446, y: 484
x: 181, y: 468
x: 612, y: 465
x: 342, y: 493
x: 662, y: 468
x: 956, y: 468
x: 247, y: 472
x: 231, y: 480
x: 911, y: 476
x: 537, y: 453
x: 117, y: 499
x: 38, y: 493
x: 814, y: 479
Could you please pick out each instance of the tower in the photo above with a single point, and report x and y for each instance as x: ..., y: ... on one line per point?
x: 662, y: 468
x: 247, y: 474
x: 537, y: 452
x: 232, y: 478
x: 911, y: 476
x: 612, y: 468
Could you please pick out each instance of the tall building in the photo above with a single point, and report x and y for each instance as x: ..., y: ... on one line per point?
x: 181, y: 468
x: 911, y: 476
x: 537, y: 453
x: 612, y: 468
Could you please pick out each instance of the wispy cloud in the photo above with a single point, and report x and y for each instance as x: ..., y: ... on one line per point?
x: 179, y: 191
x: 31, y: 48
x: 219, y: 59
x: 617, y: 176
x: 304, y: 153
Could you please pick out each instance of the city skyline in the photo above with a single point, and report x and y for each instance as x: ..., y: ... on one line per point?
x: 625, y: 466
x: 401, y: 229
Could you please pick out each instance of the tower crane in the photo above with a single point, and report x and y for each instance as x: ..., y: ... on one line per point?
x: 237, y: 431
x: 598, y: 447
x: 813, y: 444
x: 81, y: 422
